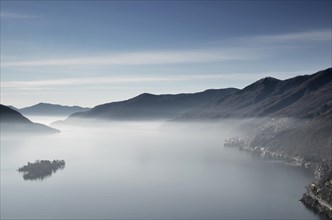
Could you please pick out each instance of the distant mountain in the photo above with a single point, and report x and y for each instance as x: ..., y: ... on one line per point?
x: 290, y: 119
x: 148, y: 106
x: 301, y: 96
x: 13, y: 121
x: 12, y: 107
x: 51, y: 109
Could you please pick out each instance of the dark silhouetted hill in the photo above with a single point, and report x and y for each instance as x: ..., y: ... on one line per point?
x: 12, y: 107
x: 301, y: 97
x: 148, y: 106
x: 13, y: 121
x: 293, y: 117
x: 48, y: 109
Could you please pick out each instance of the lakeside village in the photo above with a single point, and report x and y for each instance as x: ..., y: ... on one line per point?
x: 244, y: 144
x: 318, y: 195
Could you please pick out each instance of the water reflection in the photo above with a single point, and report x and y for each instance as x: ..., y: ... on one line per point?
x: 41, y: 169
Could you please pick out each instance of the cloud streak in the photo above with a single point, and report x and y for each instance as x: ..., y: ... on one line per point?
x: 222, y: 54
x: 115, y: 80
x: 99, y: 81
x: 82, y: 81
x: 317, y: 35
x: 141, y: 58
x: 15, y: 15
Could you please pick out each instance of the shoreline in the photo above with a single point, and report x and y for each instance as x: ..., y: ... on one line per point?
x: 322, y: 181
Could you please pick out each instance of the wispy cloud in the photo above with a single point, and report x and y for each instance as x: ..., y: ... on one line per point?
x: 141, y: 58
x: 82, y: 81
x: 268, y: 40
x: 112, y: 80
x: 216, y: 54
x: 116, y: 80
x: 320, y: 35
x: 98, y: 81
x: 16, y: 15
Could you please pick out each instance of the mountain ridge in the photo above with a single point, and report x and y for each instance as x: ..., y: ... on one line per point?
x: 150, y: 106
x: 293, y: 97
x: 43, y: 108
x: 14, y: 122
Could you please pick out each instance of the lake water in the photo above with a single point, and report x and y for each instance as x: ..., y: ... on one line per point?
x: 148, y: 171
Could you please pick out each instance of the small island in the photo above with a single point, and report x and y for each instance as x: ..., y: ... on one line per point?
x: 41, y: 169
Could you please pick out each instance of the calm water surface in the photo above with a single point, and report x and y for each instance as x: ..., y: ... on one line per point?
x: 147, y: 170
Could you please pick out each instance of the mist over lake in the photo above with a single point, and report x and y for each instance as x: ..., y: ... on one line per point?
x: 168, y: 109
x: 148, y: 170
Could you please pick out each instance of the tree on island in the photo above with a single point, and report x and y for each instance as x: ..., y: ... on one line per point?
x: 41, y: 169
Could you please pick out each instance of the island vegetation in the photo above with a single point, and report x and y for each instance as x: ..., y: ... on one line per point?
x: 41, y: 169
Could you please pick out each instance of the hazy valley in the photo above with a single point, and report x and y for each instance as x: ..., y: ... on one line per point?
x: 164, y: 139
x: 168, y: 109
x: 178, y: 170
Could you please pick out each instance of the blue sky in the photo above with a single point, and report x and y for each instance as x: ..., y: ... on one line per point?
x: 92, y: 52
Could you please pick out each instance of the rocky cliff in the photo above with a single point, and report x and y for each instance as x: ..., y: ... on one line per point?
x: 319, y: 193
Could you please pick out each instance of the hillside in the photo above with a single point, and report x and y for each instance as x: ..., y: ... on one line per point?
x: 301, y: 97
x: 14, y: 122
x: 292, y: 118
x: 148, y: 106
x: 43, y: 109
x: 307, y: 140
x: 301, y: 141
x: 293, y: 123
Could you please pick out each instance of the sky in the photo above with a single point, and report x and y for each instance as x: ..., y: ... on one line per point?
x: 92, y: 52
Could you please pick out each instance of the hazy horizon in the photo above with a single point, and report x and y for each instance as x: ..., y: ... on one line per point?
x: 105, y: 51
x: 263, y: 152
x: 117, y: 100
